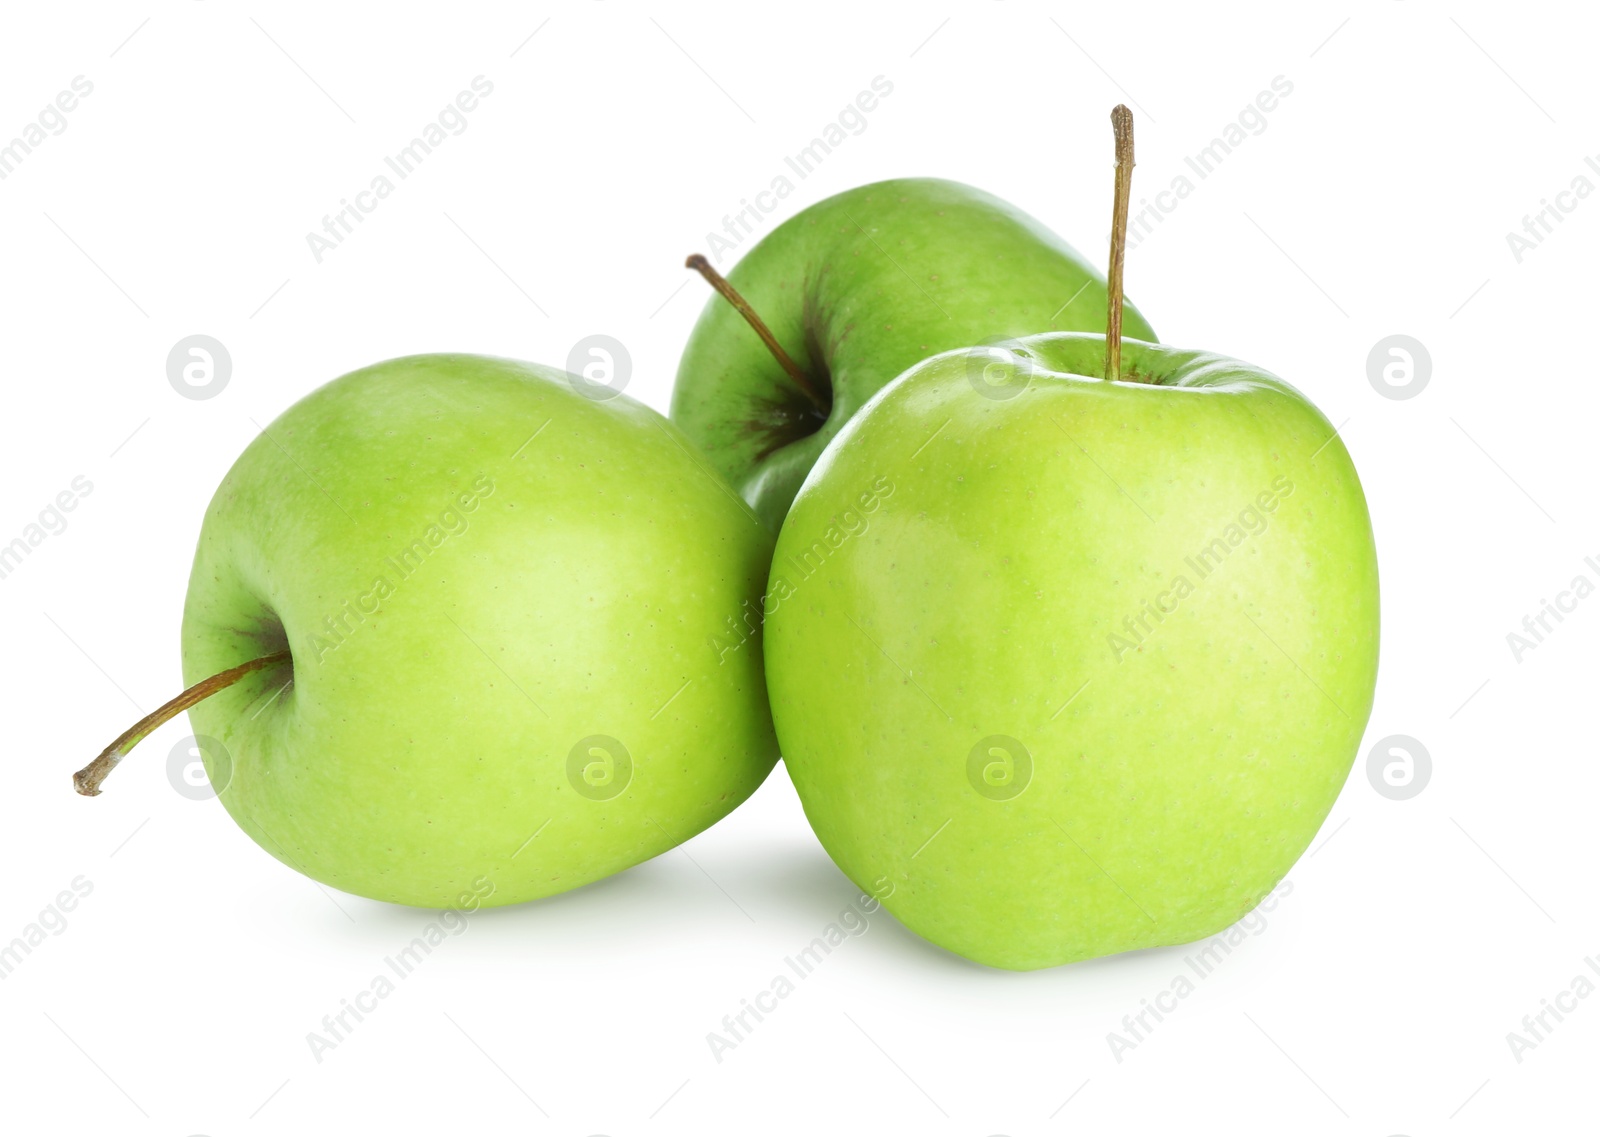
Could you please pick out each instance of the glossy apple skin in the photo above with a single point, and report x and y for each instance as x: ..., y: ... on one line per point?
x: 420, y: 748
x: 1176, y: 777
x: 858, y: 288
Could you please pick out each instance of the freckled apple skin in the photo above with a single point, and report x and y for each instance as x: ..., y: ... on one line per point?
x: 1172, y: 778
x: 857, y: 288
x: 422, y: 744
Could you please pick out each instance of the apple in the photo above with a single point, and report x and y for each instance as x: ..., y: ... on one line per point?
x: 476, y: 610
x: 1071, y: 640
x: 856, y: 289
x: 1063, y: 666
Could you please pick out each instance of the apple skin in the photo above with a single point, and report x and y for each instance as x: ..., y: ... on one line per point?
x: 955, y: 568
x: 420, y: 748
x: 858, y: 288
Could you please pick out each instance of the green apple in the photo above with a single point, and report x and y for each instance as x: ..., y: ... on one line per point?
x: 1063, y: 667
x: 498, y: 597
x: 857, y: 288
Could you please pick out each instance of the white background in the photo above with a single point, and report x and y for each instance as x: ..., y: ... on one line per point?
x: 1378, y: 999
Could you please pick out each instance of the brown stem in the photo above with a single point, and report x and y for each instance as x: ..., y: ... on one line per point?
x: 1122, y: 127
x: 742, y: 306
x: 87, y: 780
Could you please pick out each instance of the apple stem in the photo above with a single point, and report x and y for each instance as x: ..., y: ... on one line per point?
x: 1122, y: 127
x: 742, y: 306
x: 87, y: 780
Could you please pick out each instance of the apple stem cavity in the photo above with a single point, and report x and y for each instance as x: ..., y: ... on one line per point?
x: 1122, y: 128
x: 87, y: 780
x: 742, y: 306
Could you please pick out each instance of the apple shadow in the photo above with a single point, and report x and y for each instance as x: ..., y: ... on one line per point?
x: 679, y: 893
x: 809, y: 880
